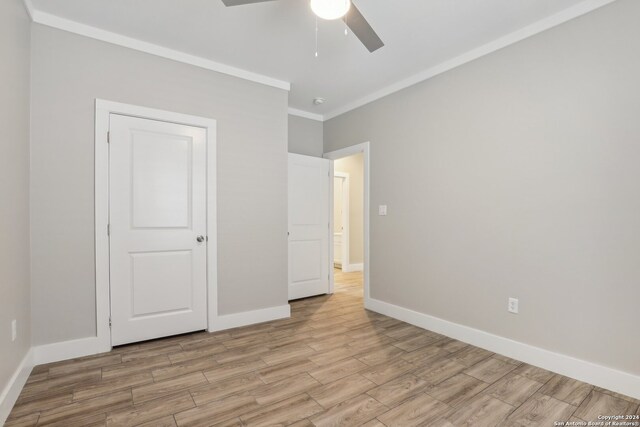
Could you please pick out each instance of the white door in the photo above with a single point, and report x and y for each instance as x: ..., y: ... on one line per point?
x: 308, y: 226
x: 337, y: 221
x: 158, y: 249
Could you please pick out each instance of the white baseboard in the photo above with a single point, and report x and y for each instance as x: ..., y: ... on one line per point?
x: 66, y: 350
x: 350, y: 268
x: 14, y: 386
x: 39, y: 355
x: 598, y: 375
x: 237, y: 320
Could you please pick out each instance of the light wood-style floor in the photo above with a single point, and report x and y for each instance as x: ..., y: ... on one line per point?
x: 331, y: 364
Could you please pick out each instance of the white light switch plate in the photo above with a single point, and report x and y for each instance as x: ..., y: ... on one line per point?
x: 382, y: 210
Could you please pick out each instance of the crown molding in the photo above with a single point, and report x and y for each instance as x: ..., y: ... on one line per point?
x: 150, y: 48
x: 306, y: 114
x: 29, y: 6
x: 142, y: 46
x: 512, y: 38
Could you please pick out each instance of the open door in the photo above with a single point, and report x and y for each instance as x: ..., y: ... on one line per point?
x: 308, y: 226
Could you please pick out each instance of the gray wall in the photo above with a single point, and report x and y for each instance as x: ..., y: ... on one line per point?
x: 14, y: 186
x: 305, y: 136
x: 516, y: 175
x: 69, y: 72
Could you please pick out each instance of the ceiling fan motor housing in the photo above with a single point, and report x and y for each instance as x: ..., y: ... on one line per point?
x: 330, y: 9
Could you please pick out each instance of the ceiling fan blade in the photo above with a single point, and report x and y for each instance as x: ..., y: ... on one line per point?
x: 241, y: 2
x: 361, y: 28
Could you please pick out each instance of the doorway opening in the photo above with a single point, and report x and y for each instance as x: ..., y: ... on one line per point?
x: 350, y: 220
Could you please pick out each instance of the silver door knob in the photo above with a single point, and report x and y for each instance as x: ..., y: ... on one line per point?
x: 200, y: 239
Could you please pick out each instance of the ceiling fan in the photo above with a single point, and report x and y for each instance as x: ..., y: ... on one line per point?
x: 334, y: 9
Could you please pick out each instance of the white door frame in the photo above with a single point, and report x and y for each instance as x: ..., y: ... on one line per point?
x: 365, y: 149
x: 103, y: 304
x: 345, y: 217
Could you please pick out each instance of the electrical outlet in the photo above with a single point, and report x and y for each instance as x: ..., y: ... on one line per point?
x: 382, y: 210
x: 513, y: 305
x: 14, y: 329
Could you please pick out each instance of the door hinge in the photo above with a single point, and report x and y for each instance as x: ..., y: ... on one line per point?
x: 108, y: 229
x: 109, y: 321
x: 108, y: 137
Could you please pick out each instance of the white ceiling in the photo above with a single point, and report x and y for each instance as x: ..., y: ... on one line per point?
x: 277, y: 38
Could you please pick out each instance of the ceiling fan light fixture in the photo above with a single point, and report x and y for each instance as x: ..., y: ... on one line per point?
x: 330, y: 9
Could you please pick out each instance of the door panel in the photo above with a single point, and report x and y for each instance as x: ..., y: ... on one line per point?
x: 308, y: 226
x: 161, y: 282
x: 157, y: 211
x: 161, y: 179
x: 306, y: 257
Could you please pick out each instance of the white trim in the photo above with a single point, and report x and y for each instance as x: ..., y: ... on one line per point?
x: 598, y: 375
x: 306, y: 114
x: 507, y: 40
x: 54, y: 21
x: 212, y: 226
x: 13, y: 388
x: 331, y: 251
x: 365, y: 149
x: 29, y: 6
x: 101, y: 213
x: 66, y: 350
x: 350, y: 268
x: 142, y: 46
x: 103, y: 110
x: 346, y: 201
x: 72, y: 349
x: 236, y: 320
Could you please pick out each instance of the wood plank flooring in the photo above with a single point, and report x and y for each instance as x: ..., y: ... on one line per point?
x: 331, y: 364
